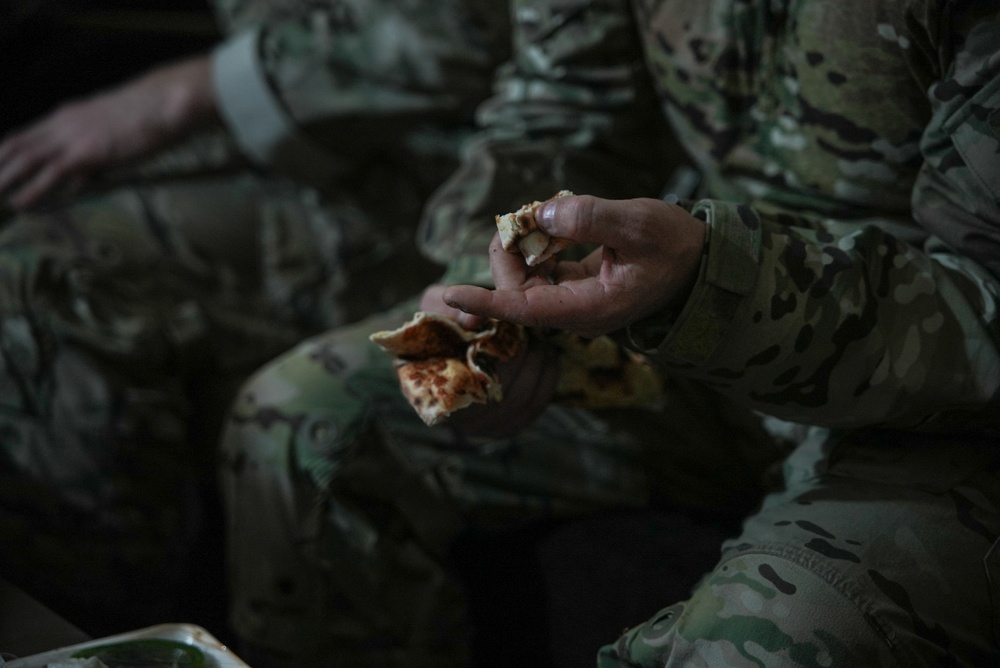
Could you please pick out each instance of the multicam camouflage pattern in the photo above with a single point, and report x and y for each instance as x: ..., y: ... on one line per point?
x: 360, y: 77
x: 342, y: 503
x: 881, y: 262
x: 850, y: 170
x: 850, y: 184
x: 129, y: 317
x: 881, y: 555
x: 580, y: 83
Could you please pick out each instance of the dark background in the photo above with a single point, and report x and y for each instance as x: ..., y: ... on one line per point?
x: 52, y: 50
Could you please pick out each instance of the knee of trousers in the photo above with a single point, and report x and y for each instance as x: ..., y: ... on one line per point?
x: 309, y: 408
x: 758, y: 609
x: 311, y: 568
x: 301, y: 411
x: 283, y: 439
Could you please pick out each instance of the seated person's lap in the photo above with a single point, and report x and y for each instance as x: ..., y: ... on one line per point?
x: 322, y: 445
x: 877, y: 560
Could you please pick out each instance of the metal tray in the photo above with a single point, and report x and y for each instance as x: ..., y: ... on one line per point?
x: 217, y: 655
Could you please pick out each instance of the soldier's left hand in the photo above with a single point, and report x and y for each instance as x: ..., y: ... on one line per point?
x: 528, y: 381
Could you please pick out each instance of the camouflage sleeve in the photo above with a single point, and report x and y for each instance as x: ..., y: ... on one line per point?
x: 328, y: 81
x: 574, y: 109
x: 845, y: 323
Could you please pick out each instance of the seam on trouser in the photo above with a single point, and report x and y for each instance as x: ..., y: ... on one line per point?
x: 822, y: 569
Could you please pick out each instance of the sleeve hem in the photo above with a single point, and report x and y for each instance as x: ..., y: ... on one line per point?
x: 254, y: 116
x: 246, y: 102
x: 726, y: 277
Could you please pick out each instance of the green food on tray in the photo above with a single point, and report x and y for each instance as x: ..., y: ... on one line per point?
x: 146, y: 653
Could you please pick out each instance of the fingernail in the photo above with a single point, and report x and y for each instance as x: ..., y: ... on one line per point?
x: 546, y: 213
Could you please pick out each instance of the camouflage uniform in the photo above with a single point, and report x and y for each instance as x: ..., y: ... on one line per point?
x: 342, y: 506
x: 130, y: 315
x: 850, y: 165
x: 850, y: 282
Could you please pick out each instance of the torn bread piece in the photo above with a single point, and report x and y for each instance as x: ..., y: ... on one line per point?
x: 519, y: 232
x: 443, y: 367
x: 439, y: 386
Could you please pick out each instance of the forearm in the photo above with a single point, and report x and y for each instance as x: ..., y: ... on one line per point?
x: 184, y: 93
x: 113, y: 129
x: 845, y: 326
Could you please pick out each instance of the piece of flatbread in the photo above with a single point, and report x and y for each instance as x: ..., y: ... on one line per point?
x: 439, y: 386
x: 443, y: 367
x: 520, y: 233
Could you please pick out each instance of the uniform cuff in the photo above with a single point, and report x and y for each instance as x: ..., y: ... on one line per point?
x: 255, y: 117
x: 252, y: 114
x: 728, y: 273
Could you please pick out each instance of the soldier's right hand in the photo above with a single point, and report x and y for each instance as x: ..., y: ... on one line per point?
x: 648, y: 259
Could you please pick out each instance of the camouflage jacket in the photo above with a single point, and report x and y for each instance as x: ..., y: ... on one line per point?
x: 850, y: 154
x: 311, y: 87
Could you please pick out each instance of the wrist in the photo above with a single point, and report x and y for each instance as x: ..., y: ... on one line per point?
x: 689, y: 257
x: 187, y: 95
x: 649, y: 331
x: 727, y: 275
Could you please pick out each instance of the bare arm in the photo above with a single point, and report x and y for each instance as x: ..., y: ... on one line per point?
x: 107, y: 130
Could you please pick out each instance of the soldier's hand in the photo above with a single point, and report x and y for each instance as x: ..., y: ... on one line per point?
x: 648, y: 260
x: 64, y: 149
x: 528, y: 381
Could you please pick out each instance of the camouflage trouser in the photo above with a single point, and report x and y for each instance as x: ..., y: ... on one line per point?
x: 127, y: 321
x: 342, y: 505
x: 882, y: 553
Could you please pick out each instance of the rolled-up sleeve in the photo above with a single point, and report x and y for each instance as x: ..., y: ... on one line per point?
x: 325, y: 86
x: 253, y: 113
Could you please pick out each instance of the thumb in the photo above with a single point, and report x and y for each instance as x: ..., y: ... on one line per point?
x: 593, y: 220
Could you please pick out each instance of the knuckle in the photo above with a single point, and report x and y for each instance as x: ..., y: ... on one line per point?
x: 585, y: 207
